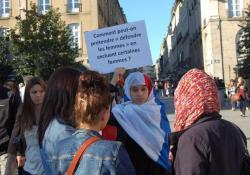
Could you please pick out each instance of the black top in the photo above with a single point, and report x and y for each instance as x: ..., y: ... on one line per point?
x: 212, y: 146
x: 9, y: 103
x: 3, y: 92
x: 143, y: 164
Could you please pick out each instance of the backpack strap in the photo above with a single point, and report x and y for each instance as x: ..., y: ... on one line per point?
x: 74, y: 163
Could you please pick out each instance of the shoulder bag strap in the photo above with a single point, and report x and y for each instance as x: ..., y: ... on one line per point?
x: 74, y: 163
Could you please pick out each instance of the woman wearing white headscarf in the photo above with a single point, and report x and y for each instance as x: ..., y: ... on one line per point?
x: 143, y: 126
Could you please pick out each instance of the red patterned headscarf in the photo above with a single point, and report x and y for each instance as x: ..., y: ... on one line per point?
x: 196, y: 94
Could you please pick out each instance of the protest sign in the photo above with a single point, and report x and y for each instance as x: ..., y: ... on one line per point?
x: 123, y: 45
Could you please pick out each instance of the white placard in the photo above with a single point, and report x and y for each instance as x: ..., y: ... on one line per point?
x: 123, y: 45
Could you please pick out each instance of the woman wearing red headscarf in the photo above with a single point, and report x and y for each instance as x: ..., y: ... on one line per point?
x: 209, y: 145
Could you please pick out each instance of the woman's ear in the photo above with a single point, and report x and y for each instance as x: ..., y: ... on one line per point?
x: 105, y: 114
x: 104, y: 117
x: 102, y: 114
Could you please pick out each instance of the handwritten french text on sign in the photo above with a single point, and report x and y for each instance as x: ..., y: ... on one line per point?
x: 123, y: 45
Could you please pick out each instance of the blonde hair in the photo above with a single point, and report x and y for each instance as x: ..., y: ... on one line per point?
x: 242, y: 79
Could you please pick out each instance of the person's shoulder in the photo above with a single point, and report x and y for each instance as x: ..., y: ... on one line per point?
x: 57, y: 131
x: 199, y: 130
x: 68, y: 145
x: 101, y: 149
x: 195, y: 132
x: 105, y: 149
x: 110, y: 143
x: 61, y: 127
x: 206, y: 131
x: 109, y: 147
x: 232, y: 127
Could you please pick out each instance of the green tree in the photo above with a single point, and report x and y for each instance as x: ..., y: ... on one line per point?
x: 244, y: 47
x: 5, y: 65
x: 41, y: 43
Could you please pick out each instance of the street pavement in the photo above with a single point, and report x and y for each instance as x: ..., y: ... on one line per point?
x: 233, y: 116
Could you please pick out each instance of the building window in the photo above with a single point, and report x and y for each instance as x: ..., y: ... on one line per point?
x: 43, y: 6
x: 73, y: 6
x: 3, y: 32
x: 240, y: 38
x: 4, y: 8
x: 235, y: 8
x: 75, y: 33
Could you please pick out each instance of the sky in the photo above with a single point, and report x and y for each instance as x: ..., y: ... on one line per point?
x: 156, y: 14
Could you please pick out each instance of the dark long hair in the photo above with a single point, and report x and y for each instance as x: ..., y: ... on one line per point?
x: 27, y: 115
x: 59, y: 98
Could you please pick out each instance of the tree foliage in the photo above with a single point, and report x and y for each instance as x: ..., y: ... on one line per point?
x: 244, y: 47
x: 5, y: 65
x: 41, y: 43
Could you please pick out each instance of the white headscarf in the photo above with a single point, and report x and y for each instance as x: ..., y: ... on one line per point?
x: 146, y: 123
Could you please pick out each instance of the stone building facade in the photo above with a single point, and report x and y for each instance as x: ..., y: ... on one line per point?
x: 203, y: 34
x: 220, y: 34
x: 79, y: 15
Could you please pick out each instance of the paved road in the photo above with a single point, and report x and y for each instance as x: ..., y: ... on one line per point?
x: 226, y: 112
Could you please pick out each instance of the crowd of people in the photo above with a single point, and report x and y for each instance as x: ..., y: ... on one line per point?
x: 79, y: 123
x: 164, y: 88
x: 239, y: 95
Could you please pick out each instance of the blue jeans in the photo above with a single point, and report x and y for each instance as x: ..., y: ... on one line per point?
x: 242, y: 105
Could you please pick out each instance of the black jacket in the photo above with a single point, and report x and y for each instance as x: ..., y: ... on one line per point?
x: 8, y: 109
x: 212, y: 146
x: 143, y: 164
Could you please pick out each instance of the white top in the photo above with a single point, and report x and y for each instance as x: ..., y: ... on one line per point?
x: 21, y: 90
x: 33, y: 163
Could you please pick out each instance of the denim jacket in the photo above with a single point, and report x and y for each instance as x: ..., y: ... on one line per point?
x: 56, y: 131
x: 102, y: 157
